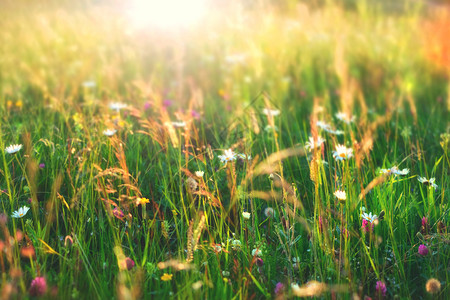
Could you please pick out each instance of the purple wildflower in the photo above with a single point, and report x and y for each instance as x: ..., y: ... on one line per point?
x: 38, y: 287
x: 195, y: 114
x: 259, y: 262
x: 424, y: 222
x: 423, y: 250
x: 424, y: 228
x: 365, y: 225
x: 129, y: 263
x: 167, y: 103
x: 279, y: 288
x: 381, y: 288
x: 118, y: 213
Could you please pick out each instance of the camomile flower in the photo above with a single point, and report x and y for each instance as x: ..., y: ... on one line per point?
x: 109, y: 132
x: 11, y: 149
x: 340, y: 195
x: 21, y: 212
x: 236, y: 244
x: 394, y: 171
x: 270, y: 128
x: 217, y: 248
x: 313, y: 144
x: 344, y: 117
x: 336, y: 132
x: 429, y: 182
x: 229, y: 155
x: 271, y: 112
x: 323, y: 125
x: 244, y: 156
x: 117, y: 106
x: 246, y: 215
x: 179, y: 124
x: 369, y: 217
x: 342, y: 152
x: 327, y: 127
x: 89, y: 84
x: 256, y: 252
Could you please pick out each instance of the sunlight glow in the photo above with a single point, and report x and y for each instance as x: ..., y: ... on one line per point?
x: 166, y: 14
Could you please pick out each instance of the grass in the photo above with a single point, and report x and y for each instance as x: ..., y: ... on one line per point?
x: 63, y: 65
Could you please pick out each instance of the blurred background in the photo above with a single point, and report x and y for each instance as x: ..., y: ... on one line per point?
x: 231, y: 50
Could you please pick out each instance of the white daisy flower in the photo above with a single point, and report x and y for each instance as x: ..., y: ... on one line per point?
x: 271, y: 112
x: 256, y: 252
x: 89, y: 84
x: 117, y: 106
x: 235, y: 244
x: 340, y: 195
x: 246, y: 215
x: 429, y: 182
x: 394, y: 171
x: 336, y: 132
x: 323, y: 125
x: 244, y: 156
x: 179, y: 124
x: 313, y: 144
x: 270, y: 128
x: 217, y: 248
x: 229, y: 155
x: 327, y: 127
x: 109, y: 132
x: 369, y: 217
x: 344, y: 117
x: 199, y: 173
x: 401, y: 172
x: 21, y: 212
x: 342, y: 152
x: 11, y: 149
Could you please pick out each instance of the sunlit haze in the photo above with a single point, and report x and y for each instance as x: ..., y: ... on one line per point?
x: 167, y: 14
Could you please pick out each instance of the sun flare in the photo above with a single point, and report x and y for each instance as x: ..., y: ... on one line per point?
x: 167, y: 14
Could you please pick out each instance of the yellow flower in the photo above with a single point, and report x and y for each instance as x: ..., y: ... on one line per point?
x: 166, y: 277
x: 141, y: 201
x: 121, y: 123
x: 19, y: 104
x: 9, y: 103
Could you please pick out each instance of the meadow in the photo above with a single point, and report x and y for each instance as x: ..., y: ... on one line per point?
x: 276, y: 149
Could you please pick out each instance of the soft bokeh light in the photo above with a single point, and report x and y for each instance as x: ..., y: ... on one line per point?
x: 167, y: 14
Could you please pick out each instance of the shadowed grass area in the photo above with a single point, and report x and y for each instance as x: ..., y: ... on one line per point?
x: 270, y: 151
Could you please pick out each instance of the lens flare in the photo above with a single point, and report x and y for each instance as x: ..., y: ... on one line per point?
x: 167, y: 14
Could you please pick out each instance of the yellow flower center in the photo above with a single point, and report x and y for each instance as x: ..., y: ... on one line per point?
x: 342, y: 155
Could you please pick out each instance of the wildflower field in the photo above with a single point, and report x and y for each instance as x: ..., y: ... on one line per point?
x: 265, y: 149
